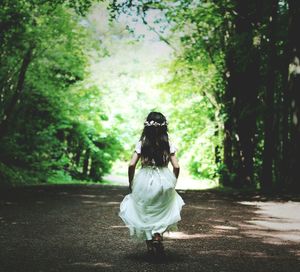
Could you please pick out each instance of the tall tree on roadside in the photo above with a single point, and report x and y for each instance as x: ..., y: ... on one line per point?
x: 243, y: 79
x: 271, y: 10
x: 293, y: 173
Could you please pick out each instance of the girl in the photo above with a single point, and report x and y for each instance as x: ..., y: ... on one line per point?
x: 153, y: 206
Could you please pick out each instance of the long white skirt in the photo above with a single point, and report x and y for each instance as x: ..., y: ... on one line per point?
x: 154, y: 205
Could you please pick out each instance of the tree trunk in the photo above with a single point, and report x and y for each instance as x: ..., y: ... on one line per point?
x: 293, y: 179
x: 243, y: 82
x: 269, y: 126
x: 9, y: 110
x: 95, y: 173
x: 86, y: 160
x: 227, y: 155
x: 291, y: 159
x: 78, y: 154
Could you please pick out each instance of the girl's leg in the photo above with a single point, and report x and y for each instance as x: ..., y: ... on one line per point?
x: 149, y: 246
x: 158, y: 245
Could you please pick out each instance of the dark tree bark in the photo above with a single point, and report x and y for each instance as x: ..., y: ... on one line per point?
x: 86, y: 160
x: 95, y: 172
x: 226, y: 102
x: 266, y: 179
x: 242, y: 61
x: 293, y: 177
x: 227, y: 143
x: 285, y: 129
x: 9, y: 110
x: 78, y: 154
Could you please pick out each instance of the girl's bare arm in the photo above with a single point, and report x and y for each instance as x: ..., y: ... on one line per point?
x: 131, y: 168
x: 175, y: 164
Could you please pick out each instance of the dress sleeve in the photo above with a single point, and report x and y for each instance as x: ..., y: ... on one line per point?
x: 173, y: 148
x: 138, y: 147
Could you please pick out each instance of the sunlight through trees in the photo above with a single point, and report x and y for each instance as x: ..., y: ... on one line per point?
x: 79, y: 77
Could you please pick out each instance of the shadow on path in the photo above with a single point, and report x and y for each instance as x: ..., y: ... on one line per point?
x: 77, y: 228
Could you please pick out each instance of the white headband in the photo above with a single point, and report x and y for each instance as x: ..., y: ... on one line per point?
x: 155, y: 124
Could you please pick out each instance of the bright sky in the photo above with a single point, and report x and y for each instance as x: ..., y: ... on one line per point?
x: 127, y: 76
x: 127, y: 73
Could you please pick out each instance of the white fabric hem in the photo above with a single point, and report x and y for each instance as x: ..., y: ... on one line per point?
x: 146, y: 233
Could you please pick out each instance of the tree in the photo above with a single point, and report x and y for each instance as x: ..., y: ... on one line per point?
x: 49, y: 129
x: 293, y: 175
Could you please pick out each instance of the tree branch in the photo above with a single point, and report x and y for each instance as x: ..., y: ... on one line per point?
x: 19, y: 89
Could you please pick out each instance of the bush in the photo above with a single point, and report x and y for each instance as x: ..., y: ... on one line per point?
x: 10, y: 177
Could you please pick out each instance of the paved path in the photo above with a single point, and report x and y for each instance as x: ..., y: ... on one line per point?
x: 76, y: 228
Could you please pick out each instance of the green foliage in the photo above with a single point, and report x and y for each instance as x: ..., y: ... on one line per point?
x: 196, y: 84
x: 54, y: 131
x: 62, y: 78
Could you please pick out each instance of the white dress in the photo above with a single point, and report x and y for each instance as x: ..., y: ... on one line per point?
x: 154, y: 205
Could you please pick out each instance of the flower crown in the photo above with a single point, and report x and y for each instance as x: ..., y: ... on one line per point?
x: 155, y: 124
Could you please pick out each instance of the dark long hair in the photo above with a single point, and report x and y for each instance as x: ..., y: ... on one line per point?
x: 155, y: 141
